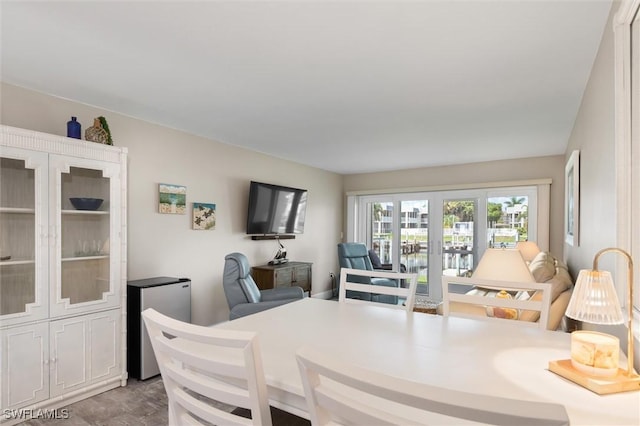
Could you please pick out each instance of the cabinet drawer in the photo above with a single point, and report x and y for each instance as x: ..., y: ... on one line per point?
x: 284, y: 278
x: 301, y: 277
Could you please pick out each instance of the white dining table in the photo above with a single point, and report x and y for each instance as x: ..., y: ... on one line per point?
x: 487, y: 357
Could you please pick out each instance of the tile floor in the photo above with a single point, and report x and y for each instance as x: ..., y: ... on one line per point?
x: 140, y: 403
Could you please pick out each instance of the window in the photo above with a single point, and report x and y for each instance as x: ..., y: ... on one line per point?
x: 446, y: 232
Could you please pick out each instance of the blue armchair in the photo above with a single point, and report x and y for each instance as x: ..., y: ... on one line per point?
x: 243, y: 296
x: 356, y: 256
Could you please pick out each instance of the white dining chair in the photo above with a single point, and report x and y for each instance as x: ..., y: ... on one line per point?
x: 199, y: 364
x: 407, y: 294
x: 532, y: 306
x: 341, y: 393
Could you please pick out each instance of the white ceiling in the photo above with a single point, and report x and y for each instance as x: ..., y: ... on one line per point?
x: 346, y: 86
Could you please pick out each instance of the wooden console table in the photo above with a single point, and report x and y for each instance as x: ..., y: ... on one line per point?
x: 283, y: 275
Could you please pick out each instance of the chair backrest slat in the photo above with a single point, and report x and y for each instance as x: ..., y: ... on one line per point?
x: 198, y: 357
x: 539, y: 299
x: 339, y: 392
x: 348, y: 283
x: 200, y: 363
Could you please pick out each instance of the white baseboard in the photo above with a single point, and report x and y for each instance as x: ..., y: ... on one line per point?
x: 324, y: 295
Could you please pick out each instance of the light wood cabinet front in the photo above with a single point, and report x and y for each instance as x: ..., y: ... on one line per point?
x: 283, y: 275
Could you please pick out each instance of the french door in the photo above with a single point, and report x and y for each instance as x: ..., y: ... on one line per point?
x: 441, y: 233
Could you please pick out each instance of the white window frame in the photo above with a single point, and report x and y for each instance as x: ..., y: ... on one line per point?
x: 627, y: 147
x: 538, y: 192
x: 543, y: 198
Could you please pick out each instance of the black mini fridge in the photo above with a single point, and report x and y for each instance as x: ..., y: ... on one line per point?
x: 169, y: 296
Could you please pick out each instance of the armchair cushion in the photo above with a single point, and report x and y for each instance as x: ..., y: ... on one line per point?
x: 356, y: 256
x: 243, y: 295
x: 375, y: 260
x: 250, y: 290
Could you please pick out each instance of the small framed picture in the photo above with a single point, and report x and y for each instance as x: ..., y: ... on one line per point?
x: 572, y: 199
x: 204, y: 216
x: 172, y: 199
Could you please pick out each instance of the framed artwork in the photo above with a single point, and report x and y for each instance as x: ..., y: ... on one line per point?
x: 204, y: 216
x: 172, y: 199
x: 572, y: 199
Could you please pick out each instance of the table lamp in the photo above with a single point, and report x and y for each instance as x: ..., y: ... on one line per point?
x: 528, y: 249
x: 504, y: 265
x: 594, y: 356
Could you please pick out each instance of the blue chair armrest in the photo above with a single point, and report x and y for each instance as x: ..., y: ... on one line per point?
x: 281, y: 294
x: 385, y: 282
x: 244, y: 309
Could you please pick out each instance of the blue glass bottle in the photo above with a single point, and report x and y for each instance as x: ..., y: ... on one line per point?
x: 74, y: 129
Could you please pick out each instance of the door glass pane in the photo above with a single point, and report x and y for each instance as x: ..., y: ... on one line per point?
x: 458, y: 220
x: 85, y: 235
x: 414, y: 234
x: 381, y: 214
x: 507, y: 221
x: 17, y: 236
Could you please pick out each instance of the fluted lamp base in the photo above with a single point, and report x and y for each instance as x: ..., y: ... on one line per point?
x: 621, y: 382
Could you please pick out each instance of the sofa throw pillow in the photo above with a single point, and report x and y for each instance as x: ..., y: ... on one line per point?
x: 500, y: 312
x: 532, y: 316
x: 559, y: 283
x: 543, y: 267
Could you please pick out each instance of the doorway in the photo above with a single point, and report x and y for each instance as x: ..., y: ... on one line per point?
x: 441, y: 232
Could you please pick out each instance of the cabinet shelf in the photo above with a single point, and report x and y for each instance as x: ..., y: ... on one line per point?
x: 17, y: 210
x: 85, y: 212
x: 17, y: 262
x: 81, y: 258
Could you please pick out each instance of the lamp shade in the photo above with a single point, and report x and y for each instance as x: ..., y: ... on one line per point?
x: 528, y: 250
x: 504, y: 265
x: 594, y: 299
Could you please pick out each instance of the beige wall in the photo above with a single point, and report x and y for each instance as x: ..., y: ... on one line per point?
x: 594, y: 136
x: 464, y: 174
x: 165, y: 245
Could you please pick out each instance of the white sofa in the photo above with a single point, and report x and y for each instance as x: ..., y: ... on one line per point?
x: 545, y: 268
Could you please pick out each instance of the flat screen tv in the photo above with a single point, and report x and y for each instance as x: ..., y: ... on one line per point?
x: 275, y: 209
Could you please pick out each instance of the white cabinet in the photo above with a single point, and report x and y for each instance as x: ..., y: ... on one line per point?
x: 62, y: 268
x: 25, y: 365
x: 84, y: 350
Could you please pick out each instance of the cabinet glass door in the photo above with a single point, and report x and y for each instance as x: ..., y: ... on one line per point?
x: 84, y: 208
x: 23, y: 228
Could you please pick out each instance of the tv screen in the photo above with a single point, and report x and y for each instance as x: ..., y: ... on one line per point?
x: 275, y: 209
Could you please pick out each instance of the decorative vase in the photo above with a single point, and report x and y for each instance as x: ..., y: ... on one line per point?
x: 96, y: 133
x: 74, y: 128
